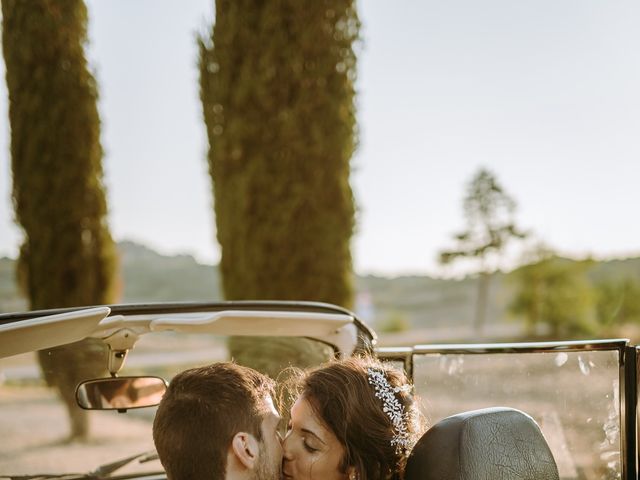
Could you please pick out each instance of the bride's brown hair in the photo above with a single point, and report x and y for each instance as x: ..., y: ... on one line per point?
x: 341, y: 395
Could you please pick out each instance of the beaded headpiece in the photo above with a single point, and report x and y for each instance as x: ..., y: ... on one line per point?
x: 393, y: 408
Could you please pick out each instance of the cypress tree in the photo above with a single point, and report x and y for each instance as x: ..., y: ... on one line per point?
x: 277, y: 88
x: 68, y: 256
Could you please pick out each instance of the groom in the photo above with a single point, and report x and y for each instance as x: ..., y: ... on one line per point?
x: 219, y: 422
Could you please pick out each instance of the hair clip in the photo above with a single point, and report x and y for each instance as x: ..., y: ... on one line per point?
x: 393, y: 408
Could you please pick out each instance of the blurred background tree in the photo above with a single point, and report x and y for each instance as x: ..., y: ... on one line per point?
x: 554, y: 294
x: 618, y: 303
x: 68, y: 257
x: 395, y: 322
x: 489, y: 212
x: 277, y: 89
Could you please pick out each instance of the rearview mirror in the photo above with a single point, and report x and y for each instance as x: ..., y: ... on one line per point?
x: 120, y: 393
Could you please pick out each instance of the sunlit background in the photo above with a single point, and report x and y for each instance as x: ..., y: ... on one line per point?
x: 544, y: 94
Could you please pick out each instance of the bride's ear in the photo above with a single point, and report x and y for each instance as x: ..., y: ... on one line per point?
x: 246, y: 449
x: 352, y: 473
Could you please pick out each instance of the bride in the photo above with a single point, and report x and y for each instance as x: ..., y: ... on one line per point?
x: 353, y: 419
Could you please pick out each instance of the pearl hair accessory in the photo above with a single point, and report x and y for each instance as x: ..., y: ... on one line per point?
x: 393, y: 408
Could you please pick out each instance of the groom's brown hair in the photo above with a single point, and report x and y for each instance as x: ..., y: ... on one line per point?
x: 201, y: 412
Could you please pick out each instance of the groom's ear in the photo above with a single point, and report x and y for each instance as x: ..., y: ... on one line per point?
x: 246, y: 449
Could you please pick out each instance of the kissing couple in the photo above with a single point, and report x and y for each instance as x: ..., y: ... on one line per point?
x: 352, y: 419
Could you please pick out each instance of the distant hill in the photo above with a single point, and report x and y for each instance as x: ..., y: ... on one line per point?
x: 148, y: 276
x: 421, y: 302
x: 424, y: 301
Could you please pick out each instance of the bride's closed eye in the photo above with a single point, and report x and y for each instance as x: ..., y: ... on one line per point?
x: 305, y: 443
x: 308, y: 447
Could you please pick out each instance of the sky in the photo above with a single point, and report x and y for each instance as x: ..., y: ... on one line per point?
x: 544, y: 93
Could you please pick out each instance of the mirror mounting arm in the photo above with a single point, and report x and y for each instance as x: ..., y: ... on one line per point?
x: 119, y: 344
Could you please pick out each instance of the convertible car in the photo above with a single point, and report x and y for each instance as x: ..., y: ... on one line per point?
x: 574, y: 402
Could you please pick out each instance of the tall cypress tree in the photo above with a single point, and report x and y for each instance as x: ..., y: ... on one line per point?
x: 277, y: 88
x: 68, y: 256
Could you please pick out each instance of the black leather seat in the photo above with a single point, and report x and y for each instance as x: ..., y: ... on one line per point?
x: 488, y: 444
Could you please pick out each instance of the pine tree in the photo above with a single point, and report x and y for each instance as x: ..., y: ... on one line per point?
x: 489, y: 213
x: 68, y: 257
x: 277, y: 88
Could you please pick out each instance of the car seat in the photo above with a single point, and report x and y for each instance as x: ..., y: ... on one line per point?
x: 489, y: 444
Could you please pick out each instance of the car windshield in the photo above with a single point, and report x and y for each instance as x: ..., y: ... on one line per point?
x: 581, y: 394
x: 581, y: 425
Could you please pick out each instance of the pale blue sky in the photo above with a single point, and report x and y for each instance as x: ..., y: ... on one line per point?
x: 545, y: 93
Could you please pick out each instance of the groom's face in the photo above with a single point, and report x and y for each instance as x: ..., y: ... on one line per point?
x: 270, y: 456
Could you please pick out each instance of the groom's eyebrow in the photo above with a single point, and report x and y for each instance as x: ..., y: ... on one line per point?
x: 306, y: 430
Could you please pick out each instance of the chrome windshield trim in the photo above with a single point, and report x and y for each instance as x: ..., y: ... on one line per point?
x: 628, y: 412
x: 393, y: 351
x: 525, y: 347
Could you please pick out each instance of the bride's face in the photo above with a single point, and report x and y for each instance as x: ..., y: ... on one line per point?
x: 311, y: 450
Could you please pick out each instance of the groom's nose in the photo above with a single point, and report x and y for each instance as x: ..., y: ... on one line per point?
x: 286, y: 447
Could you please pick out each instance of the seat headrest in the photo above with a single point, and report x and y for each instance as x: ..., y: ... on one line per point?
x: 488, y: 444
